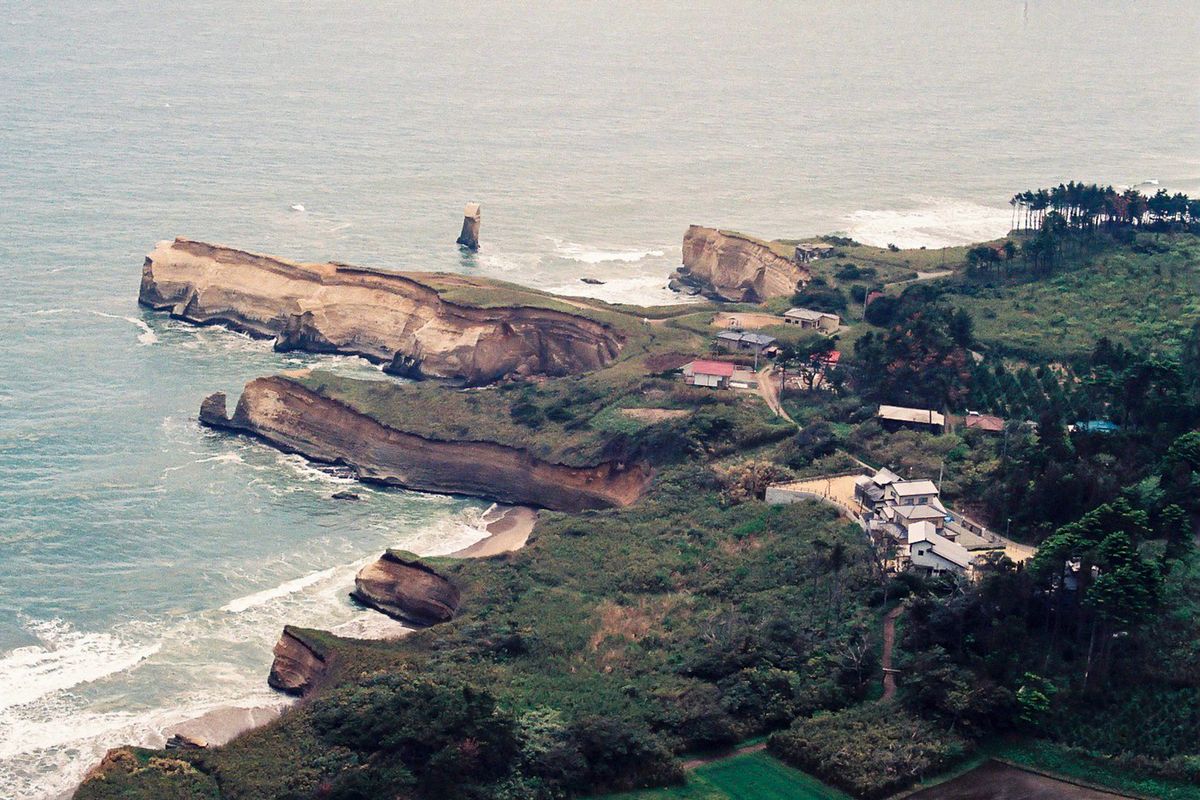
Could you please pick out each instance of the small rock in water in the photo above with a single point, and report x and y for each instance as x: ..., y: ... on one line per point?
x: 593, y: 281
x: 344, y: 496
x: 469, y: 238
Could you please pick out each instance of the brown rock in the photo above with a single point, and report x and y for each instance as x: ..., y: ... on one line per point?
x: 469, y: 238
x: 298, y: 665
x: 401, y: 586
x: 212, y: 411
x: 298, y: 420
x: 391, y: 318
x: 737, y: 267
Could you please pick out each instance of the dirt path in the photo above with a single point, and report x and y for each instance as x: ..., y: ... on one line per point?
x: 889, y: 643
x: 768, y: 389
x: 692, y: 763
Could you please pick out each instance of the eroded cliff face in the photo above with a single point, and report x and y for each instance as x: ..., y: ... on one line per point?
x: 298, y: 420
x: 298, y: 666
x: 389, y: 318
x: 404, y: 588
x: 737, y: 268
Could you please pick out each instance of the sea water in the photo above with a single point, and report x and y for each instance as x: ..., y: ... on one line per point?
x: 147, y: 564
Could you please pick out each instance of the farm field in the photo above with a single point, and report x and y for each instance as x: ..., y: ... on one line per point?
x: 994, y: 780
x: 754, y: 776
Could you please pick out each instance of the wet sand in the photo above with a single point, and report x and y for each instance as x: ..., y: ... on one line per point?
x: 222, y: 724
x: 508, y: 529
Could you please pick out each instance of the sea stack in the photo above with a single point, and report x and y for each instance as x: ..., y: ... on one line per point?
x: 469, y: 238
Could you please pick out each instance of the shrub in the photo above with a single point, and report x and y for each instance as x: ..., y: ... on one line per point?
x: 870, y: 751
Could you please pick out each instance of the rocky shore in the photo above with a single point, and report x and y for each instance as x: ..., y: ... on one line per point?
x: 397, y: 319
x: 298, y: 420
x: 734, y: 267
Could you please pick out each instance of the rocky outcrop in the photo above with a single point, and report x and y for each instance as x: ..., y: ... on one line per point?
x: 404, y: 588
x: 298, y: 420
x: 469, y: 238
x: 738, y: 268
x: 298, y: 665
x: 390, y: 318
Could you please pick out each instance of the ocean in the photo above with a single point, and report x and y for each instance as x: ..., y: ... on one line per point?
x: 147, y: 564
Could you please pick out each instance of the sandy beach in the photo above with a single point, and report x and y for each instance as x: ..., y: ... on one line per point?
x: 508, y: 529
x: 225, y: 723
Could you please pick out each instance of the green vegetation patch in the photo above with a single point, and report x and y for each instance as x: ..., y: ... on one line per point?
x: 1118, y: 774
x: 1147, y: 295
x: 573, y: 421
x: 754, y: 776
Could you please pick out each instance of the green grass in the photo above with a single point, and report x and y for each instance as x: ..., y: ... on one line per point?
x: 754, y: 776
x: 1145, y: 299
x: 1073, y: 764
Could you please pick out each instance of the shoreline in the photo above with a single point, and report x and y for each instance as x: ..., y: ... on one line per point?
x: 508, y: 528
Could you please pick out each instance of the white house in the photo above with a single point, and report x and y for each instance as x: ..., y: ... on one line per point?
x: 714, y: 374
x: 911, y: 493
x: 816, y: 320
x: 930, y: 551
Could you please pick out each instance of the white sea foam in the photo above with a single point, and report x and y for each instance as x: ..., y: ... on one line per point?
x: 596, y: 255
x: 57, y: 714
x: 933, y: 222
x: 147, y: 336
x: 64, y: 658
x: 282, y: 590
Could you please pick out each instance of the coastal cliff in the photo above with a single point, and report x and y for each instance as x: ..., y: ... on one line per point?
x: 738, y: 268
x: 298, y: 665
x: 398, y: 319
x: 404, y: 588
x: 299, y: 420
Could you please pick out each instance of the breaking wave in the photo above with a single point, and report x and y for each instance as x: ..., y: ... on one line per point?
x: 62, y: 659
x: 592, y: 255
x: 933, y: 222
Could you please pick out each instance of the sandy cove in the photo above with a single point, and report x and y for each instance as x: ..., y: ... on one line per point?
x: 508, y: 529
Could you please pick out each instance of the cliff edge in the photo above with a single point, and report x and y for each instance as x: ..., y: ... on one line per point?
x: 397, y: 319
x: 738, y: 268
x: 403, y: 587
x: 299, y: 420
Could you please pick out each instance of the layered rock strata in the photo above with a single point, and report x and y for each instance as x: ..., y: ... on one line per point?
x: 298, y: 420
x: 298, y: 665
x: 390, y: 318
x: 404, y: 588
x: 737, y: 268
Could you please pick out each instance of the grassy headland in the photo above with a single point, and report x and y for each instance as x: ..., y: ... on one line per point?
x: 700, y: 616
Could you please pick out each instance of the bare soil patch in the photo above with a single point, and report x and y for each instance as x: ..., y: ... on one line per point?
x: 652, y: 415
x: 994, y: 780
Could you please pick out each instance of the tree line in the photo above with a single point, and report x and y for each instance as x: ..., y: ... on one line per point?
x: 1085, y: 206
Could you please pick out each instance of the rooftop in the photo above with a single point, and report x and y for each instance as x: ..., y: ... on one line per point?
x: 903, y: 414
x: 912, y: 488
x: 760, y: 339
x: 722, y: 368
x: 808, y: 313
x: 954, y: 553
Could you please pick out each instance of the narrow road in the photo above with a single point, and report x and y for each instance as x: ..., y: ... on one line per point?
x: 768, y: 389
x: 889, y: 643
x: 692, y: 763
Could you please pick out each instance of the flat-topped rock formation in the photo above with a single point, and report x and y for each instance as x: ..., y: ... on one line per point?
x: 404, y: 588
x: 397, y: 319
x: 298, y: 420
x: 738, y: 268
x: 298, y: 665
